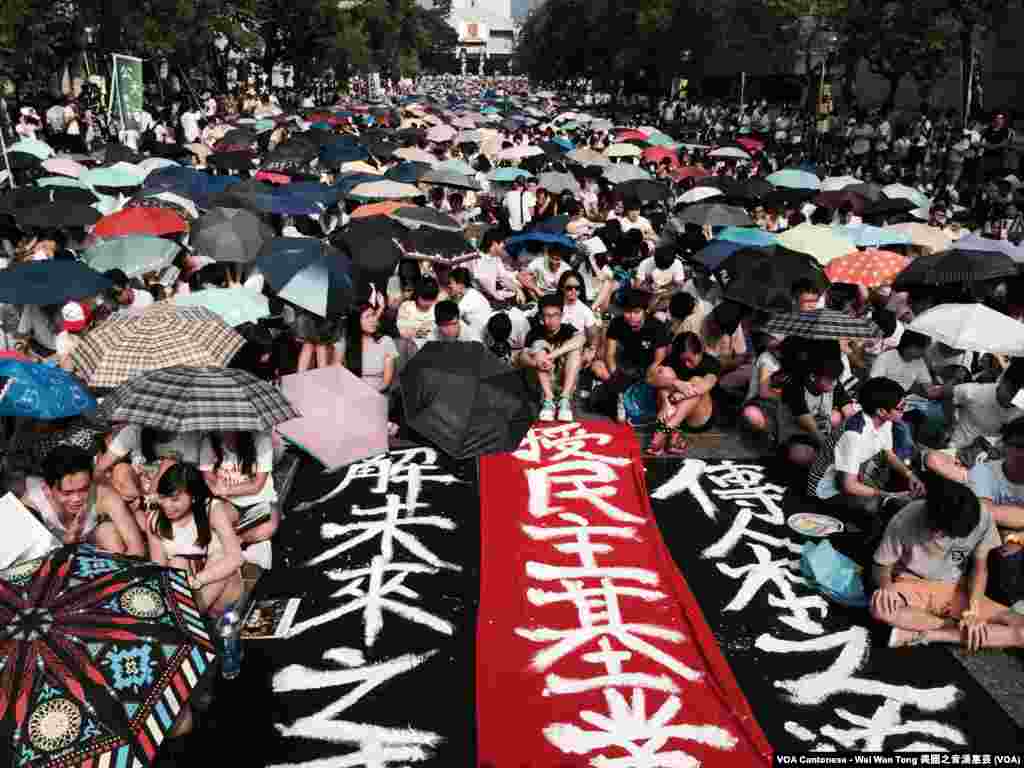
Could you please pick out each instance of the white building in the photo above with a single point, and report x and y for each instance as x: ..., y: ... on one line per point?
x: 487, y: 33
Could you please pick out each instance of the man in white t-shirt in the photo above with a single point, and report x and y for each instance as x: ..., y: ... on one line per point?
x: 124, y: 294
x: 518, y: 204
x: 474, y: 308
x: 542, y: 274
x: 906, y: 366
x: 497, y: 281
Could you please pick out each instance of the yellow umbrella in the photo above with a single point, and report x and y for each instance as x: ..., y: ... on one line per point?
x: 624, y: 150
x: 924, y: 235
x: 817, y: 240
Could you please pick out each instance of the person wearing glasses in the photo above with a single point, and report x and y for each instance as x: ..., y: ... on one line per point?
x: 853, y: 471
x: 552, y: 352
x: 577, y: 313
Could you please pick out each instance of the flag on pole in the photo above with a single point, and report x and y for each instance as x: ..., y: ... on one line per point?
x: 126, y: 93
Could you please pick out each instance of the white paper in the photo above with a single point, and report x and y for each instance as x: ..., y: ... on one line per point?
x: 25, y: 538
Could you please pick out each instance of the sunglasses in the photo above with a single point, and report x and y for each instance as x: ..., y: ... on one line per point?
x: 571, y: 286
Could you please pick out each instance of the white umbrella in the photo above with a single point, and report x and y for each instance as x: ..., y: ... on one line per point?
x: 836, y: 183
x: 619, y: 173
x: 624, y: 150
x: 903, y: 192
x: 417, y: 155
x: 972, y: 327
x: 697, y: 194
x: 730, y: 152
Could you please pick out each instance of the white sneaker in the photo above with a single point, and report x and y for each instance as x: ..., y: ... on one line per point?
x: 620, y: 410
x: 547, y: 411
x: 904, y: 638
x: 564, y: 410
x: 260, y: 554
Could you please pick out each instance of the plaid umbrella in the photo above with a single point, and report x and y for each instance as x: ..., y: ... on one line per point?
x: 187, y: 399
x: 955, y: 266
x: 99, y: 654
x: 870, y: 268
x: 161, y: 336
x: 822, y: 324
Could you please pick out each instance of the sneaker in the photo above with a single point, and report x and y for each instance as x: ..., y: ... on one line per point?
x: 564, y: 410
x: 547, y: 411
x: 260, y: 553
x: 620, y: 410
x: 904, y: 638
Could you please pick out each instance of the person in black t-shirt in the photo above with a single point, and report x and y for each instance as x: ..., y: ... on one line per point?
x: 635, y: 343
x: 552, y: 352
x: 684, y: 385
x: 811, y: 409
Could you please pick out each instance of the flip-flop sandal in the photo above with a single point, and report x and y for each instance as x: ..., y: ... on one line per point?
x: 678, y: 446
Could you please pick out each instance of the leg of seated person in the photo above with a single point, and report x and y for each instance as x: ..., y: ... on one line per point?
x: 754, y: 418
x: 306, y: 356
x: 737, y: 379
x: 570, y: 375
x: 324, y: 355
x: 801, y: 454
x: 214, y: 598
x: 263, y: 531
x: 546, y: 386
x: 604, y: 295
x: 946, y: 465
x: 108, y: 538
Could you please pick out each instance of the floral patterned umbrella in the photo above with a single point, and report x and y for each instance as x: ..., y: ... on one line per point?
x: 98, y: 654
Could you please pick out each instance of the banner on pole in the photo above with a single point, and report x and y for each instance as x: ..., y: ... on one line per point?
x: 126, y: 92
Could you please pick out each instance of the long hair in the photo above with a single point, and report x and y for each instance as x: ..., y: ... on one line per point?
x: 354, y: 338
x: 245, y: 448
x: 581, y: 294
x: 187, y: 478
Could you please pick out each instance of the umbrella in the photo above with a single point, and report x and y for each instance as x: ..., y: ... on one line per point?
x: 643, y: 190
x: 464, y: 400
x: 840, y: 199
x: 169, y: 200
x: 383, y: 208
x: 630, y: 134
x: 747, y: 236
x: 160, y: 336
x: 444, y: 179
x: 836, y: 183
x: 101, y: 652
x: 763, y: 278
x: 50, y: 282
x: 343, y: 420
x: 308, y: 273
x: 887, y: 207
x: 58, y: 214
x: 418, y: 216
x: 134, y: 254
x: 370, y: 242
x: 429, y: 241
x: 408, y: 172
x: 140, y: 221
x: 557, y: 182
x: 870, y: 268
x: 794, y: 178
x: 864, y: 235
x: 235, y: 306
x: 189, y: 399
x: 822, y: 324
x: 230, y: 234
x: 508, y: 175
x: 384, y: 190
x: 950, y: 267
x: 750, y: 144
x: 117, y: 176
x: 903, y: 192
x: 973, y: 327
x: 336, y: 155
x: 587, y: 156
x: 714, y: 253
x: 730, y: 153
x: 622, y: 172
x: 697, y: 194
x: 441, y: 133
x: 314, y: 192
x: 64, y: 166
x: 657, y: 154
x: 972, y: 242
x: 239, y: 160
x: 923, y: 235
x: 817, y: 240
x: 456, y: 166
x: 536, y: 238
x: 22, y: 161
x: 41, y: 391
x: 624, y: 150
x: 38, y: 149
x: 716, y: 215
x: 870, y: 190
x: 417, y: 155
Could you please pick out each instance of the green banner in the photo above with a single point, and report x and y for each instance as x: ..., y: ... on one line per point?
x: 127, y: 92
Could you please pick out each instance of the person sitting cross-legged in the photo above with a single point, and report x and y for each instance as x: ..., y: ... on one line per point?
x: 683, y: 385
x: 553, y: 353
x: 931, y: 569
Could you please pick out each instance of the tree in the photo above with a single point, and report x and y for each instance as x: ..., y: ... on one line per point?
x: 971, y: 17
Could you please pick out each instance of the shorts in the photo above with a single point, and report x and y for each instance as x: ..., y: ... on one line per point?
x: 781, y: 425
x: 945, y: 600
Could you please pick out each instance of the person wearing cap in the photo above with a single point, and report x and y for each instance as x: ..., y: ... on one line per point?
x: 76, y: 317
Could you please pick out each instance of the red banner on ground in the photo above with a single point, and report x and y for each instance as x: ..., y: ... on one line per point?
x: 591, y: 649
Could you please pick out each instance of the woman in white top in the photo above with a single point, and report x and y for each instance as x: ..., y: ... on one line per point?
x: 238, y: 467
x: 187, y: 528
x: 374, y: 355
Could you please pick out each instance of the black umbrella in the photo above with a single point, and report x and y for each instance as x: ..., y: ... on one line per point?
x: 239, y: 160
x: 780, y: 199
x: 230, y: 234
x: 955, y: 266
x: 382, y: 149
x: 763, y: 278
x: 729, y: 186
x: 292, y: 153
x: 416, y: 216
x: 60, y: 214
x: 20, y: 161
x: 50, y: 282
x: 370, y: 243
x: 887, y: 206
x: 25, y: 197
x: 407, y: 172
x: 308, y: 273
x: 753, y: 189
x: 644, y: 190
x: 239, y: 136
x: 242, y: 195
x: 467, y: 402
x: 436, y: 242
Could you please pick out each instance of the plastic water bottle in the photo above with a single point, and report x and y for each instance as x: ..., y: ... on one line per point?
x: 230, y: 628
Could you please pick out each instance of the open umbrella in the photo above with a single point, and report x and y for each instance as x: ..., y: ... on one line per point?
x: 140, y: 221
x: 978, y: 244
x: 117, y: 176
x: 58, y: 214
x: 557, y: 182
x: 238, y: 160
x: 230, y: 234
x: 441, y: 178
x: 384, y: 190
x: 370, y: 242
x: 763, y: 278
x: 923, y: 235
x: 50, y: 282
x: 191, y: 399
x: 41, y: 391
x: 698, y: 194
x: 794, y: 178
x: 622, y: 172
x: 903, y: 192
x: 429, y: 241
x: 416, y: 216
x: 538, y: 238
x: 822, y: 324
x: 464, y: 400
x: 715, y: 214
x: 714, y: 253
x: 308, y: 273
x: 643, y: 190
x: 417, y: 155
x: 747, y: 236
x: 972, y: 327
x: 134, y: 255
x: 101, y: 652
x: 838, y: 199
x: 235, y: 306
x: 64, y: 166
x: 508, y: 175
x: 343, y: 419
x: 624, y: 150
x: 951, y: 267
x: 729, y: 153
x: 866, y: 235
x: 160, y: 336
x: 39, y: 149
x: 817, y: 240
x: 588, y: 156
x: 870, y: 268
x: 836, y: 183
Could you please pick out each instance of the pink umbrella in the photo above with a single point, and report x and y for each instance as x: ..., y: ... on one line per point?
x: 750, y: 144
x: 441, y: 133
x: 64, y: 166
x: 343, y: 419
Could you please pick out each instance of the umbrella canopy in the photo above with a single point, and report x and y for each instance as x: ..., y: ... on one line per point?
x: 763, y: 278
x: 697, y: 194
x: 817, y: 240
x: 464, y: 400
x: 407, y: 172
x: 976, y: 243
x: 161, y: 336
x: 794, y: 178
x: 903, y: 192
x: 643, y: 190
x: 733, y: 153
x: 443, y: 178
x: 370, y: 242
x: 384, y: 190
x: 714, y: 253
x: 38, y: 149
x: 508, y: 175
x: 64, y: 166
x: 140, y: 221
x: 841, y: 199
x: 557, y: 182
x: 923, y: 235
x: 587, y: 156
x: 230, y: 234
x: 117, y: 176
x: 456, y: 166
x: 416, y: 216
x: 188, y: 399
x: 343, y: 420
x: 382, y: 208
x: 41, y: 391
x: 865, y: 235
x: 429, y: 241
x: 949, y: 267
x: 716, y: 215
x: 538, y: 238
x: 234, y: 305
x: 308, y: 273
x: 57, y: 214
x: 836, y: 183
x: 747, y: 236
x: 416, y: 155
x: 624, y: 150
x: 134, y: 255
x: 656, y: 154
x: 822, y: 324
x: 622, y: 172
x: 50, y: 282
x: 870, y: 268
x: 169, y: 200
x: 101, y: 653
x: 237, y: 160
x: 972, y: 327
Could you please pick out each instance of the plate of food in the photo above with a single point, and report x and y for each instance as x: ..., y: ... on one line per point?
x: 814, y: 525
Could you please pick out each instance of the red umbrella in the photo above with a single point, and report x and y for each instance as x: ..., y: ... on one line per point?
x: 657, y: 154
x: 690, y: 172
x: 750, y: 144
x: 141, y: 221
x: 273, y: 178
x: 870, y: 267
x: 632, y: 135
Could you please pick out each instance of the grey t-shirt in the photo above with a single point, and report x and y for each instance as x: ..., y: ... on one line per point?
x: 375, y: 356
x: 910, y: 546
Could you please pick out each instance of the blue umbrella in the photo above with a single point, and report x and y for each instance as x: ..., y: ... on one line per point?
x: 41, y: 391
x: 50, y: 282
x: 508, y: 175
x: 283, y: 203
x: 349, y: 181
x: 866, y: 235
x: 794, y: 178
x: 564, y: 142
x: 308, y: 273
x: 314, y: 192
x: 746, y: 236
x: 336, y: 154
x: 989, y: 245
x: 715, y: 252
x: 407, y: 172
x: 516, y: 243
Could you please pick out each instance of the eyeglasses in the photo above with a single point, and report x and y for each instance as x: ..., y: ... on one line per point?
x: 571, y: 286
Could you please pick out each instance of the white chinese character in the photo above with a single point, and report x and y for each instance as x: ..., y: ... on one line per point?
x: 591, y: 481
x: 738, y: 529
x: 780, y: 573
x: 869, y: 734
x: 569, y: 440
x: 687, y: 480
x: 647, y: 740
x: 374, y: 746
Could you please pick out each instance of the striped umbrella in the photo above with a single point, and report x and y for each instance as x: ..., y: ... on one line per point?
x: 822, y: 324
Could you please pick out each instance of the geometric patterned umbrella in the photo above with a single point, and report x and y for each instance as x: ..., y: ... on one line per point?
x: 822, y: 324
x: 161, y: 336
x: 98, y: 655
x: 187, y: 399
x: 870, y: 268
